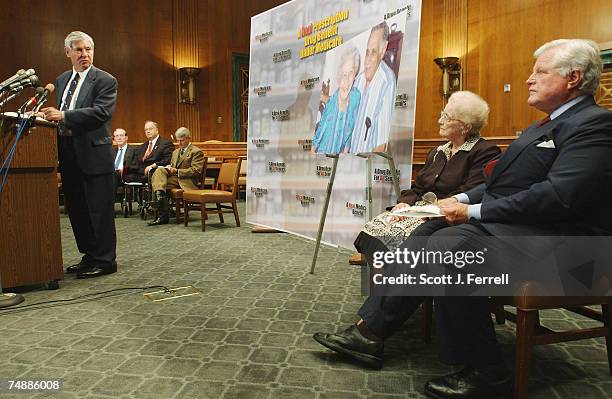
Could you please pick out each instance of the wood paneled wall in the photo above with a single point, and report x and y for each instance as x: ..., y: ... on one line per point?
x: 495, y: 40
x: 143, y: 42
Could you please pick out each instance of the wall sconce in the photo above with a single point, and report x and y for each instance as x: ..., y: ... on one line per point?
x: 187, y: 85
x: 451, y: 76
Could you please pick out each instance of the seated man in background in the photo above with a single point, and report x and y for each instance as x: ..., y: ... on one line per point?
x: 184, y: 172
x: 126, y: 162
x: 154, y: 152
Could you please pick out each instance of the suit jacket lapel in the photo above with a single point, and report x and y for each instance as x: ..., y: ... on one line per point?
x: 185, y: 153
x: 86, y: 87
x: 533, y: 133
x: 61, y: 86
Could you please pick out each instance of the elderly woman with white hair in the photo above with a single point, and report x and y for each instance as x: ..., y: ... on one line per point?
x: 335, y: 130
x: 450, y: 169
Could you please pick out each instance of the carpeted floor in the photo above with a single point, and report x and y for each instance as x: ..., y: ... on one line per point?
x: 248, y: 335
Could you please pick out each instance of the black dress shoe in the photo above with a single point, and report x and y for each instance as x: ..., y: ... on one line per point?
x: 471, y: 383
x: 351, y: 343
x: 98, y: 271
x: 160, y: 220
x: 78, y: 268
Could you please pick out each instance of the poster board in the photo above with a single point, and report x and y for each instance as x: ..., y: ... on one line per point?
x: 296, y: 49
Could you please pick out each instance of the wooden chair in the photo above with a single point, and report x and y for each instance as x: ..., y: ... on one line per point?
x: 242, y: 183
x: 177, y: 193
x: 530, y: 333
x: 228, y: 176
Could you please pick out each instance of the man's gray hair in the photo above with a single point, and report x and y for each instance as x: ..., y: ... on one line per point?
x: 350, y: 53
x: 472, y: 109
x: 153, y: 123
x: 385, y: 29
x: 119, y: 130
x: 182, y: 132
x: 77, y: 36
x: 576, y: 55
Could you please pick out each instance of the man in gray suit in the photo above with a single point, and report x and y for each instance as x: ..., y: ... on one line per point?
x: 86, y: 99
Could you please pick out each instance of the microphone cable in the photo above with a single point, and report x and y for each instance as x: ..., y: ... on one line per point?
x: 6, y: 165
x: 79, y: 299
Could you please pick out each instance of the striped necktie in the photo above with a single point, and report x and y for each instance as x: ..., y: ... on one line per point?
x: 71, y: 90
x: 67, y: 101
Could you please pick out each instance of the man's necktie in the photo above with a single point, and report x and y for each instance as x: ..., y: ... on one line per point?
x: 67, y: 101
x: 149, y: 151
x: 180, y: 155
x: 488, y: 169
x: 71, y: 89
x: 543, y: 121
x: 118, y: 160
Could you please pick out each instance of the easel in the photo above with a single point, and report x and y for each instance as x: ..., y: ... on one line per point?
x: 368, y: 156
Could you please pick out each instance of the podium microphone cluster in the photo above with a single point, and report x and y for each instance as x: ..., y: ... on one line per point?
x: 19, y: 81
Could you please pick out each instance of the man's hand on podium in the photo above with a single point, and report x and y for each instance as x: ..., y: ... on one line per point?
x: 53, y: 114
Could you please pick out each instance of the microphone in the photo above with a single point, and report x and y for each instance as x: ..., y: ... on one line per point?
x: 19, y: 76
x: 40, y: 100
x: 22, y: 84
x: 430, y: 198
x: 33, y: 100
x: 368, y: 124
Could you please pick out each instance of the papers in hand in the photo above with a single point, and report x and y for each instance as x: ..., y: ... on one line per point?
x: 425, y: 211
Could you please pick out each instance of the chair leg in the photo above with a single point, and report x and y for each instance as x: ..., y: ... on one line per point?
x: 186, y: 212
x: 235, y: 209
x: 606, y: 311
x: 131, y: 198
x: 203, y: 215
x: 220, y: 212
x: 427, y: 307
x: 500, y: 315
x: 525, y: 325
x: 177, y: 209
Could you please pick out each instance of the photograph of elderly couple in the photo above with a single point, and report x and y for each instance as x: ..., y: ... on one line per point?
x: 357, y: 93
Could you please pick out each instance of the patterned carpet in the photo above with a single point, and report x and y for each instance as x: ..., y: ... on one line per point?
x: 248, y: 335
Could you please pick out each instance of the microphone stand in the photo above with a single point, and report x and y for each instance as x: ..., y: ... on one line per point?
x: 9, y: 98
x: 9, y: 299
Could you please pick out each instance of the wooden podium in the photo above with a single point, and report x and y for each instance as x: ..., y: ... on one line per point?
x: 30, y: 242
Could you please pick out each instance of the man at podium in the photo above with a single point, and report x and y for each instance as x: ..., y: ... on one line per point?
x: 86, y: 99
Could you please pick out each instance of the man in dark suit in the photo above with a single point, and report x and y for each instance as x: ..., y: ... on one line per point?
x: 156, y: 151
x: 126, y: 161
x: 86, y: 99
x: 543, y: 185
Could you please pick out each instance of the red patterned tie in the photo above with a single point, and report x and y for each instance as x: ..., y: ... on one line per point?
x: 543, y: 122
x: 489, y: 167
x: 148, y: 152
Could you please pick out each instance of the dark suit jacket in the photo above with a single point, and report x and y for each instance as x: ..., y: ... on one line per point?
x: 161, y: 155
x: 130, y: 159
x: 446, y: 178
x: 563, y: 190
x: 90, y: 120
